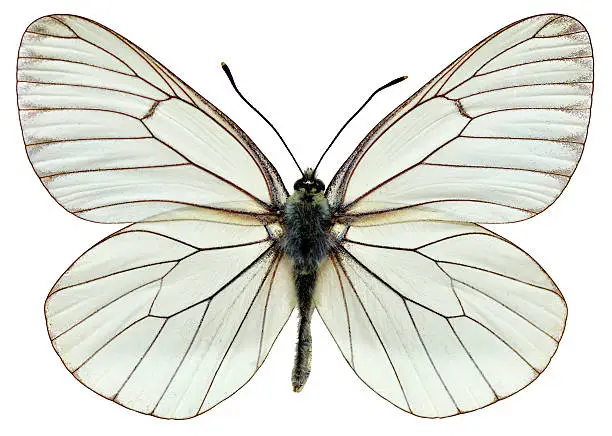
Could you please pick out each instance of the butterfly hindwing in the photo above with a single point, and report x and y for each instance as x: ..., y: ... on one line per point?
x: 440, y: 318
x: 170, y: 318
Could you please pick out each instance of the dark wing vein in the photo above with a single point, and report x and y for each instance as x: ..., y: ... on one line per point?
x: 433, y: 365
x: 263, y: 280
x: 348, y: 317
x: 187, y: 350
x: 140, y: 360
x: 472, y: 359
x: 382, y: 344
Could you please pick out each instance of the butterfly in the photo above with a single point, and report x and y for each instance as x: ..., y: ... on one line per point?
x: 176, y: 311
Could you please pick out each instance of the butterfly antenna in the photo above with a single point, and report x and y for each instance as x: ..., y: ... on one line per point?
x: 391, y: 83
x: 228, y: 73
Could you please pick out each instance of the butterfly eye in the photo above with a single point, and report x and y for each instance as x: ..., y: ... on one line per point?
x: 319, y: 185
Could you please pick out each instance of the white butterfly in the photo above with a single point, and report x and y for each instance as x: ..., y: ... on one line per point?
x: 171, y: 315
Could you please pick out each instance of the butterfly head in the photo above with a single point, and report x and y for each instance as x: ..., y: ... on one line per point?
x: 309, y: 183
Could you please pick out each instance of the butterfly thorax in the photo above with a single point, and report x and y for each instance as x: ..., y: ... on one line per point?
x: 306, y: 241
x: 307, y: 221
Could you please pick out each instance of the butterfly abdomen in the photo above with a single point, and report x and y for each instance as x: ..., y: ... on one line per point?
x: 306, y: 241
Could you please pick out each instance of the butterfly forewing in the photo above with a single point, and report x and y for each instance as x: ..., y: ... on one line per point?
x: 493, y: 138
x: 115, y: 137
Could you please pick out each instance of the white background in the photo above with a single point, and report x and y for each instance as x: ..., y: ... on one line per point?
x: 308, y: 68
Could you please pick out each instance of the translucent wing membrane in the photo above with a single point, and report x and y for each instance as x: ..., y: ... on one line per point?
x: 116, y: 137
x: 439, y: 318
x: 493, y: 138
x: 173, y: 314
x: 168, y: 327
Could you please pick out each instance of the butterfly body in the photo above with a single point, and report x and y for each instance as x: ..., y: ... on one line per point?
x: 306, y: 240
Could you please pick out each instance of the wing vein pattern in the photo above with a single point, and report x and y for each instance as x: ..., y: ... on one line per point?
x: 168, y: 327
x: 116, y: 137
x: 493, y: 138
x: 445, y: 317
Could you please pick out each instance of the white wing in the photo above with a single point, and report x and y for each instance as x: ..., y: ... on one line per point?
x: 168, y: 327
x: 494, y: 138
x: 116, y: 137
x: 439, y: 318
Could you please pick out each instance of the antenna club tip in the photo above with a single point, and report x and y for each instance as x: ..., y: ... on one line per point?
x: 404, y: 77
x: 222, y: 64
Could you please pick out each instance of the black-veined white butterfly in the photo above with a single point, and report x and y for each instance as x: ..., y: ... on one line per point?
x: 175, y: 312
